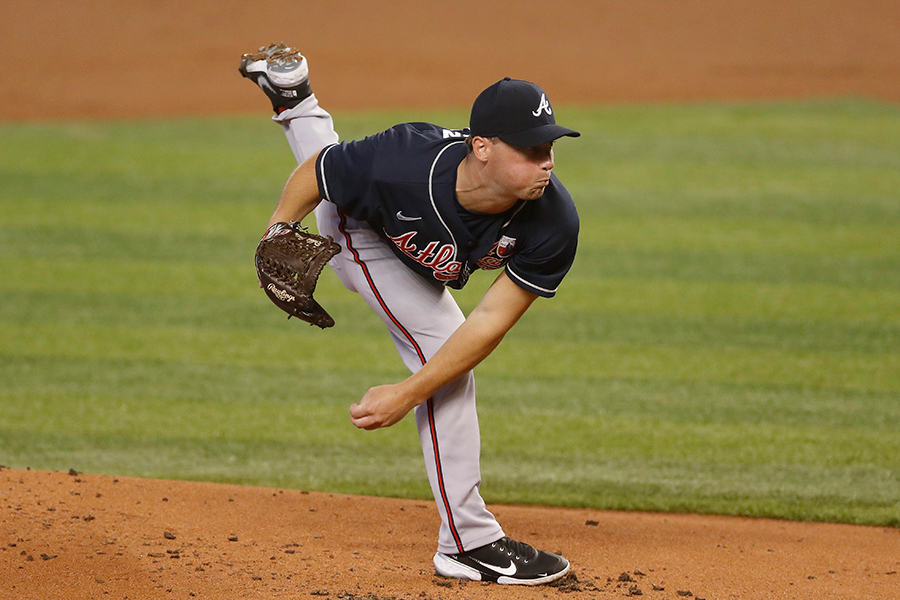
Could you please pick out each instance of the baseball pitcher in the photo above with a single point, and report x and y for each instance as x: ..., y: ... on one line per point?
x: 410, y: 212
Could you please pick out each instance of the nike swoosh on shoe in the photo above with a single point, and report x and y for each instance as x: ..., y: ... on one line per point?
x: 508, y: 571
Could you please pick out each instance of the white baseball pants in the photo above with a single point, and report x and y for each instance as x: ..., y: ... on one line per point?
x: 419, y: 315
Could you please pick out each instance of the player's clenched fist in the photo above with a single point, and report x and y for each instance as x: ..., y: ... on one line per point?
x: 382, y: 406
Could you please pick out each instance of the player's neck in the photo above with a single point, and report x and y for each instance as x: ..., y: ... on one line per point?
x: 476, y: 193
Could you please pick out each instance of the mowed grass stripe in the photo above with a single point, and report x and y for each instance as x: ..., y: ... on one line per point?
x: 802, y: 302
x: 584, y: 394
x: 750, y: 236
x: 838, y: 370
x: 696, y: 402
x: 546, y: 321
x: 206, y: 345
x: 544, y: 358
x: 835, y: 263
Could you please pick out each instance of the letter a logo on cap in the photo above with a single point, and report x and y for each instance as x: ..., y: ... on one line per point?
x: 543, y: 106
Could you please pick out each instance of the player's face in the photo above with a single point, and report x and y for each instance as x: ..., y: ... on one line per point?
x: 525, y: 172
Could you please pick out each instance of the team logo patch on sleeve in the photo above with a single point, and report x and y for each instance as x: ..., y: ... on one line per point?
x: 499, y: 254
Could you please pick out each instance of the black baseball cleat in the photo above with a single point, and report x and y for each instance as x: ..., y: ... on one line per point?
x: 281, y: 72
x: 506, y: 561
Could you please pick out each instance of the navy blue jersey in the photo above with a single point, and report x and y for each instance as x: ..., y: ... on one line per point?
x: 403, y: 183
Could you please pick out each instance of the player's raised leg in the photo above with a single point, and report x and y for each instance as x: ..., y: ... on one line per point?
x: 283, y: 74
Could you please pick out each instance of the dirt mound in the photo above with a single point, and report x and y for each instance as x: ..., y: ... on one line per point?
x: 73, y: 535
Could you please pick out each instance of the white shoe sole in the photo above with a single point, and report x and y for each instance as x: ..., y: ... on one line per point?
x: 447, y: 567
x: 292, y: 77
x: 284, y: 78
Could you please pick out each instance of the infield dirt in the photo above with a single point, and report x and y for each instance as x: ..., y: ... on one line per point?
x: 74, y: 536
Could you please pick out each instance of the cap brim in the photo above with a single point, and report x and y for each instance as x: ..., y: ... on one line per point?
x: 537, y: 136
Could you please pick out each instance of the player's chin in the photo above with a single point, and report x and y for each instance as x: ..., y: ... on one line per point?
x: 533, y: 193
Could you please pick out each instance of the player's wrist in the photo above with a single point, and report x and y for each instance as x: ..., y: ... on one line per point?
x: 419, y: 387
x: 275, y: 229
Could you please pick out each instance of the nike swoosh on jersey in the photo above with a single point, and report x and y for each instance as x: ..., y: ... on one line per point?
x: 508, y: 571
x: 403, y: 217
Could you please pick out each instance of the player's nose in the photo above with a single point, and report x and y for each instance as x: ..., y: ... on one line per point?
x: 548, y: 161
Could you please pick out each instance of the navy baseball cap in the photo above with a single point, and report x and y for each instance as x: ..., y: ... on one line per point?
x: 518, y: 112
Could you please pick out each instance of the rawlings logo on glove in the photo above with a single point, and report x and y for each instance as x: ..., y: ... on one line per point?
x: 280, y: 294
x: 289, y: 261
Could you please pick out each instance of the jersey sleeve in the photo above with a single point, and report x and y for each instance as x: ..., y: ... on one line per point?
x: 344, y: 173
x: 550, y: 241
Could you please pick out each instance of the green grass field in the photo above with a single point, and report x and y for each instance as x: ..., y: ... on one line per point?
x: 727, y: 342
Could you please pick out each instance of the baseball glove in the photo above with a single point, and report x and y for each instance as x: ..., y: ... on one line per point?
x: 288, y: 263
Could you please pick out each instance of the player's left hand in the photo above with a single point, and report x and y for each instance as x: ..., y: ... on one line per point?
x: 382, y: 406
x: 289, y: 261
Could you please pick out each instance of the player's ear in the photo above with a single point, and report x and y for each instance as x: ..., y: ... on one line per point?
x: 480, y: 148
